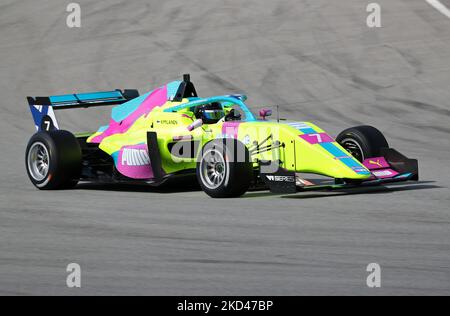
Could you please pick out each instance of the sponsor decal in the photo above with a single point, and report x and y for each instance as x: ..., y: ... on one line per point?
x: 168, y: 122
x: 359, y: 170
x: 317, y: 138
x: 382, y: 173
x: 135, y: 157
x: 376, y: 162
x: 281, y: 178
x: 134, y: 162
x: 385, y: 173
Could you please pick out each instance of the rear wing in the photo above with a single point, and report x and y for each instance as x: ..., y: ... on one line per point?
x: 42, y: 108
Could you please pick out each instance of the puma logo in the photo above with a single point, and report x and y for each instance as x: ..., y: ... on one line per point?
x: 135, y: 157
x: 376, y: 162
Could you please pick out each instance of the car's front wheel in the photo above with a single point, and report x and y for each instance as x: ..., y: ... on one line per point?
x: 362, y: 142
x: 224, y: 169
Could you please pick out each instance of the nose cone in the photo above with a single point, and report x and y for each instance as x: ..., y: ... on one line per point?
x: 344, y: 165
x: 317, y: 152
x: 329, y: 159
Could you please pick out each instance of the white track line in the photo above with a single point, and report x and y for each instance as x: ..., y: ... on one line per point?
x: 440, y: 7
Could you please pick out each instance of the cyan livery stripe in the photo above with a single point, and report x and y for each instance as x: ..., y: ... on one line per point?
x: 172, y: 89
x: 86, y: 96
x: 303, y: 127
x: 334, y: 150
x: 121, y: 112
x: 102, y: 129
x: 115, y: 157
x: 308, y: 131
x: 349, y: 162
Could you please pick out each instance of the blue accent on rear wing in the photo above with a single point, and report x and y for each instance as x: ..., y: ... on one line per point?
x: 85, y: 100
x: 90, y: 98
x: 42, y: 107
x: 44, y: 118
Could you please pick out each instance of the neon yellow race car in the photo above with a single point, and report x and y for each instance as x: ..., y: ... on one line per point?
x: 170, y: 132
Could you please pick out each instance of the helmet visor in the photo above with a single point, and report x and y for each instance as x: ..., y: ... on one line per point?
x: 213, y: 115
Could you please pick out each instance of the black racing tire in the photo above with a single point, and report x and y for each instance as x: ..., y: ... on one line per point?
x: 224, y: 169
x: 53, y: 160
x: 362, y: 142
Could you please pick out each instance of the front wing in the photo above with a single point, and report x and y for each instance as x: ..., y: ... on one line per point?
x: 391, y: 167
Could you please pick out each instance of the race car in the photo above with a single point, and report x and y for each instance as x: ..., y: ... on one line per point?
x: 171, y: 132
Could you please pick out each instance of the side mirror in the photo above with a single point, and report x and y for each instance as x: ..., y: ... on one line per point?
x: 265, y: 113
x: 196, y: 124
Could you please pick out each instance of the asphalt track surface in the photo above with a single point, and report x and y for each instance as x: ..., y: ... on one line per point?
x: 315, y: 58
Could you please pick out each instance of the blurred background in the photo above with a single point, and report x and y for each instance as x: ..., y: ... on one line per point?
x: 317, y: 59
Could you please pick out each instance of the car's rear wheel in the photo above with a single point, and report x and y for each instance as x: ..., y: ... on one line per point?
x: 53, y: 160
x: 362, y: 142
x: 224, y: 169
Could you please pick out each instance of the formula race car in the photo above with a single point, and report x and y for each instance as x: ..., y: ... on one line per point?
x: 171, y: 132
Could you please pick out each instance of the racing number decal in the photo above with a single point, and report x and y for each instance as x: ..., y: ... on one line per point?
x: 318, y: 138
x: 47, y: 124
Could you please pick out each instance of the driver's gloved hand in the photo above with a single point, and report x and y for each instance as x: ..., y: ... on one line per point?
x: 233, y: 116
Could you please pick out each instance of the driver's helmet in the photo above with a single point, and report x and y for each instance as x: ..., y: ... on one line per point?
x: 209, y: 113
